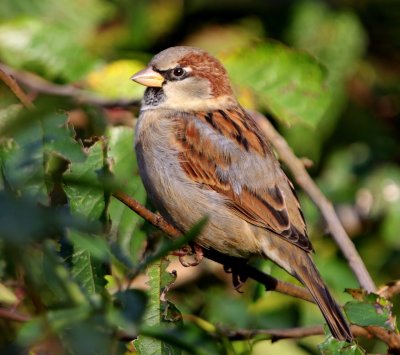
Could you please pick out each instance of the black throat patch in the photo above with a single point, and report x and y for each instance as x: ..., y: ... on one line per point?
x: 153, y: 96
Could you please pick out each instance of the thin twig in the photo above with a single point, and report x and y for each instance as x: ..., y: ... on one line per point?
x: 270, y: 283
x: 12, y: 315
x: 37, y: 84
x: 15, y: 88
x: 389, y: 337
x: 304, y: 180
x: 286, y: 333
x: 390, y: 289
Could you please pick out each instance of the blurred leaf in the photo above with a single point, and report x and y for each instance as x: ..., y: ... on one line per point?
x: 36, y: 135
x: 130, y: 306
x: 125, y: 224
x: 90, y: 336
x: 149, y: 20
x: 88, y: 201
x: 113, y: 80
x: 167, y: 246
x: 189, y: 338
x: 7, y: 296
x: 338, y: 40
x: 31, y: 331
x: 288, y: 83
x: 339, y: 178
x: 383, y: 187
x: 52, y: 38
x: 58, y: 279
x: 62, y: 318
x: 219, y: 39
x: 22, y: 161
x: 58, y: 138
x: 76, y: 330
x: 86, y: 270
x: 332, y: 346
x: 22, y: 221
x: 95, y: 245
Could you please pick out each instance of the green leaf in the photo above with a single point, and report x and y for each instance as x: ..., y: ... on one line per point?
x: 87, y: 199
x: 370, y: 310
x: 384, y: 186
x: 332, y: 346
x: 288, y: 83
x: 86, y: 270
x: 338, y: 40
x: 167, y: 246
x: 50, y: 38
x: 35, y: 137
x: 58, y: 138
x: 22, y: 161
x: 90, y: 201
x: 125, y: 228
x: 149, y: 20
x: 130, y: 306
x: 62, y: 318
x: 159, y: 283
x: 31, y: 331
x: 366, y: 314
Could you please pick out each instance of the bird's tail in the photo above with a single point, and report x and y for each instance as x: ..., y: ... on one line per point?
x: 308, y: 274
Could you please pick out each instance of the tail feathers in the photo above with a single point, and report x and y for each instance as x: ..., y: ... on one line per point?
x: 311, y: 278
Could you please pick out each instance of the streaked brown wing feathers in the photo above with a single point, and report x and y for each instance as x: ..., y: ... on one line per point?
x: 199, y: 159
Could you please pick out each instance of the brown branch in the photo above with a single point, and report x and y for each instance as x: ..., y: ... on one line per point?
x: 304, y: 180
x: 270, y: 283
x: 286, y: 333
x: 390, y: 338
x: 15, y: 88
x: 12, y: 315
x: 390, y: 289
x: 37, y: 84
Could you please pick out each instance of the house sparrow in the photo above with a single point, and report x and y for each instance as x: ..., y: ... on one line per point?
x: 200, y: 154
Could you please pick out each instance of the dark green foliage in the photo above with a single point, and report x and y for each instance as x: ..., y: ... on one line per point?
x: 73, y: 258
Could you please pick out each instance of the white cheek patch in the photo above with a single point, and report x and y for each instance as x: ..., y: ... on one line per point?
x: 187, y: 94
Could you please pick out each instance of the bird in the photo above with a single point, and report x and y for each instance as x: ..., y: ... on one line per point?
x: 200, y: 154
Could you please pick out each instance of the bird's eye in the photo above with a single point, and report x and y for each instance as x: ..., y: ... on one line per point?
x: 178, y: 72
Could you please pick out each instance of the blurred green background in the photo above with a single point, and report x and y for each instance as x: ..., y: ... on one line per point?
x: 325, y: 72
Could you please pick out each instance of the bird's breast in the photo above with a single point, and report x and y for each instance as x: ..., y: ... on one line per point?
x: 180, y: 200
x: 167, y: 185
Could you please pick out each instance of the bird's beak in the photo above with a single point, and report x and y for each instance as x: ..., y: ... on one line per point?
x: 148, y: 77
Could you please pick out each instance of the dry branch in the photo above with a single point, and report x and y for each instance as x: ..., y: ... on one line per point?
x: 37, y: 84
x: 10, y: 314
x: 325, y: 206
x: 285, y: 333
x: 15, y: 88
x: 270, y: 283
x: 390, y: 290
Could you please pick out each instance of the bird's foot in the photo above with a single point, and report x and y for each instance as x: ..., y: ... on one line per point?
x: 196, y: 251
x: 238, y: 277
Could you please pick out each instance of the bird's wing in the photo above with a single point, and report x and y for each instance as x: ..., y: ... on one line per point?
x: 225, y: 151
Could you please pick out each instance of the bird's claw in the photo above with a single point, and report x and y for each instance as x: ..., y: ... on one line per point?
x: 196, y: 251
x: 238, y: 278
